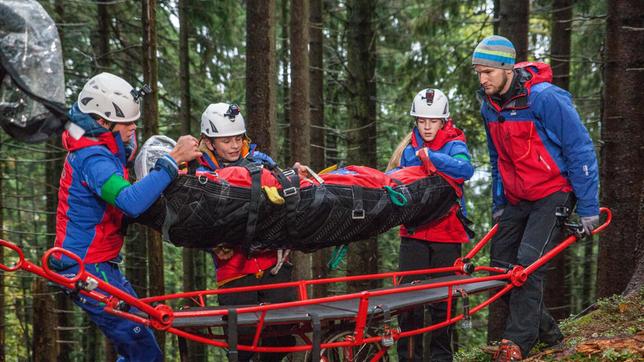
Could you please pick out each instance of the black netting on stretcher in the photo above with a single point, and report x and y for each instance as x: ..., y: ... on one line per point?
x: 202, y: 210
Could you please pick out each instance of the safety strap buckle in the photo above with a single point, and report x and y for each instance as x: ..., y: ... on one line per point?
x: 467, y: 319
x: 288, y: 173
x: 358, y: 214
x: 290, y: 192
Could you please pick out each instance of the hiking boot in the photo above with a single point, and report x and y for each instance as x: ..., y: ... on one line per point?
x: 508, y: 351
x: 552, y: 339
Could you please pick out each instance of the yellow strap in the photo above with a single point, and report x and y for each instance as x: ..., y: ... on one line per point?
x: 273, y: 195
x: 328, y: 169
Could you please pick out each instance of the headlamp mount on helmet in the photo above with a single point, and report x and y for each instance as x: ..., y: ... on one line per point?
x: 141, y: 92
x: 232, y: 112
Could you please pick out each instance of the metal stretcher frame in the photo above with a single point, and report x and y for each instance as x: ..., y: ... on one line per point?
x: 358, y: 308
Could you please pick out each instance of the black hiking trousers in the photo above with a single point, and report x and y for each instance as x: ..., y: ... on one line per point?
x: 526, y: 232
x: 421, y: 254
x: 258, y: 297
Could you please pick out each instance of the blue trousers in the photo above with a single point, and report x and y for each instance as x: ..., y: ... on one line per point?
x: 132, y: 341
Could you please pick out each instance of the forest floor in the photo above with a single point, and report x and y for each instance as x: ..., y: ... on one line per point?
x: 613, y: 331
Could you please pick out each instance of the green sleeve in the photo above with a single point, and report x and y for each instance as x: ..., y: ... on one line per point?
x: 112, y: 187
x: 461, y: 156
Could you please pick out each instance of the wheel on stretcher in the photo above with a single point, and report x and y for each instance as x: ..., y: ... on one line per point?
x: 363, y: 352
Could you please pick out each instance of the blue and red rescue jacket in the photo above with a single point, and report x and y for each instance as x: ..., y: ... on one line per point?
x: 94, y: 193
x: 449, y: 154
x: 538, y: 145
x: 239, y: 265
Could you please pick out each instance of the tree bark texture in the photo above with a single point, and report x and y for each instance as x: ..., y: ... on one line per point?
x: 44, y: 333
x: 621, y: 245
x: 3, y: 331
x: 514, y: 18
x: 316, y: 97
x: 361, y: 107
x: 284, y: 54
x: 299, y: 113
x: 102, y: 46
x: 557, y: 287
x: 184, y: 67
x: 150, y: 128
x: 261, y: 77
x: 63, y: 303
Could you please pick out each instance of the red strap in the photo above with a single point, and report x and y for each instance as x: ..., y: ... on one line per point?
x: 431, y: 169
x: 427, y: 163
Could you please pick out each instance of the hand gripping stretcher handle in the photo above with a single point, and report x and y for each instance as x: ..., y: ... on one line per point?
x: 564, y: 244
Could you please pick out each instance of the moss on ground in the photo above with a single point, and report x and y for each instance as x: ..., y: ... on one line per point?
x: 614, y: 331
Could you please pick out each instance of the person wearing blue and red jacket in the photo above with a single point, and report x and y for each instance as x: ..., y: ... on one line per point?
x: 95, y: 196
x: 437, y: 244
x: 542, y: 159
x: 224, y: 143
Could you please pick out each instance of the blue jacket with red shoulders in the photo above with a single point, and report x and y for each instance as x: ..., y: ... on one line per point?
x: 538, y: 145
x: 239, y: 265
x: 449, y: 154
x: 94, y: 193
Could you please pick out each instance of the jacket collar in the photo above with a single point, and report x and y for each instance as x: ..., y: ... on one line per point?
x: 446, y: 134
x: 526, y: 74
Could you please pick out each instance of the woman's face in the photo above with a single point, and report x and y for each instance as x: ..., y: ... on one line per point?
x: 429, y: 127
x: 125, y: 130
x: 228, y: 148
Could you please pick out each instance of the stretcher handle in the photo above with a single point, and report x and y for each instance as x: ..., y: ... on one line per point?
x: 21, y: 256
x: 609, y: 218
x: 56, y: 277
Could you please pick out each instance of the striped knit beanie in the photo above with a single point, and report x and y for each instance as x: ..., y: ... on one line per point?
x: 494, y: 51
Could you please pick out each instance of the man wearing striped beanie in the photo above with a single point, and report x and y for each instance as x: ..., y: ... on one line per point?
x: 542, y: 161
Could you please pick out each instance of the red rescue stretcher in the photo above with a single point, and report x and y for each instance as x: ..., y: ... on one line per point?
x: 350, y: 327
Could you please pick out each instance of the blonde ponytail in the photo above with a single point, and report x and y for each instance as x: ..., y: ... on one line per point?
x: 394, y: 161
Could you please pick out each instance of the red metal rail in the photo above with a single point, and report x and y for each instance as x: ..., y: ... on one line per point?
x: 161, y: 316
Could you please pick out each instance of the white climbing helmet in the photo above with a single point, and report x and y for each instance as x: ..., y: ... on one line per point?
x: 222, y: 120
x: 430, y: 103
x: 110, y: 98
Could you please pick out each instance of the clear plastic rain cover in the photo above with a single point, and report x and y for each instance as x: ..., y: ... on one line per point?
x: 154, y: 148
x: 32, y: 87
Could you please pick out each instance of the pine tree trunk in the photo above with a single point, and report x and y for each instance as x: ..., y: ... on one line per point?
x: 44, y: 334
x: 3, y: 332
x: 151, y: 127
x: 102, y: 47
x: 622, y: 176
x: 196, y: 351
x: 184, y: 67
x: 90, y: 339
x: 110, y: 351
x: 63, y: 304
x: 299, y: 113
x: 557, y: 288
x: 316, y: 96
x: 284, y: 54
x: 53, y: 170
x: 514, y: 18
x: 495, y: 19
x: 261, y: 78
x: 361, y: 107
x: 513, y: 23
